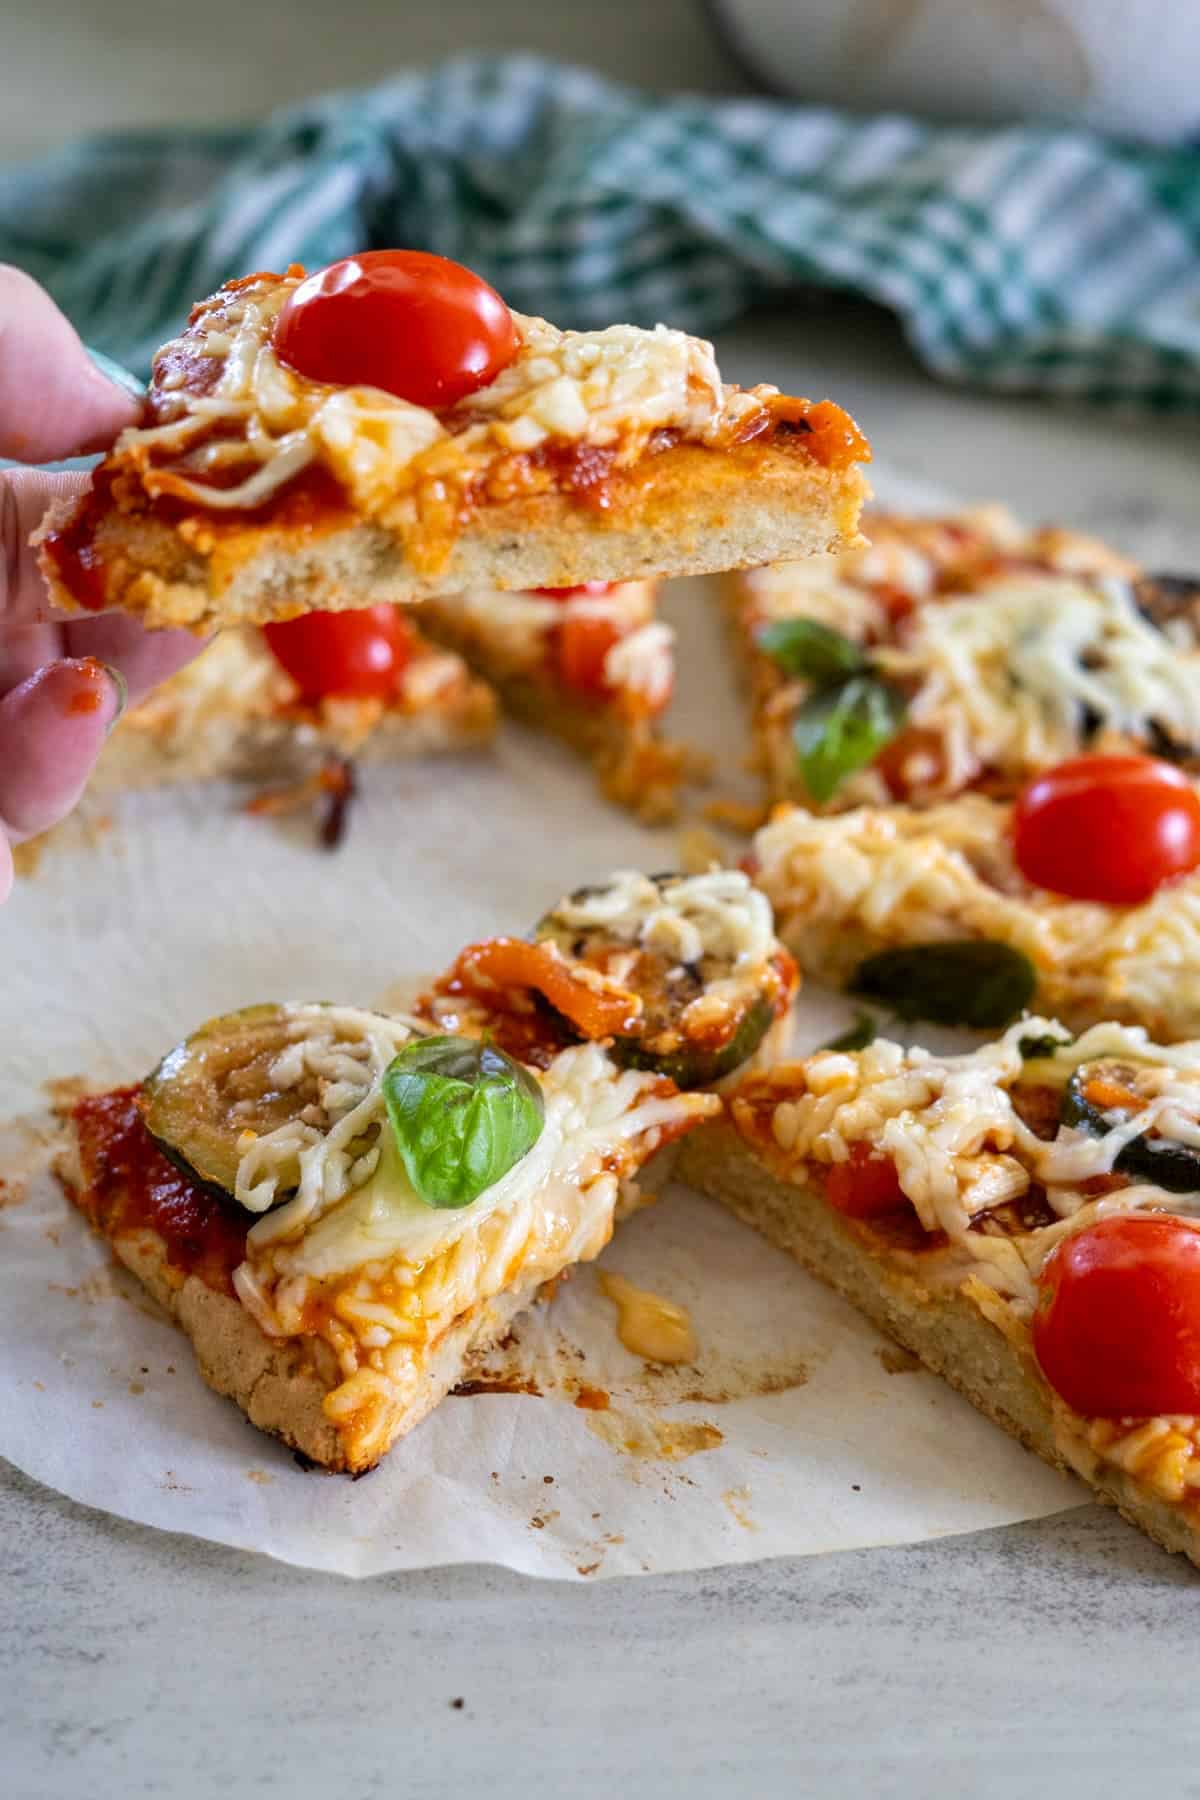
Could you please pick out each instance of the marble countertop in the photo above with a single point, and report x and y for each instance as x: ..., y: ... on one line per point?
x: 1045, y: 1658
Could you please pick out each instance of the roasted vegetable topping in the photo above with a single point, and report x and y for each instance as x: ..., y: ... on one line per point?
x: 972, y: 982
x: 1098, y: 1090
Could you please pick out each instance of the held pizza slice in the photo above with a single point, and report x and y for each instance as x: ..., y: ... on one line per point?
x: 1024, y: 1219
x: 249, y: 707
x: 387, y: 430
x: 961, y: 653
x: 339, y: 1207
x: 593, y: 665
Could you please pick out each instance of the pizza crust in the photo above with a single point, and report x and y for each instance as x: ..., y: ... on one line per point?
x: 685, y: 511
x: 986, y: 1358
x: 281, y: 1385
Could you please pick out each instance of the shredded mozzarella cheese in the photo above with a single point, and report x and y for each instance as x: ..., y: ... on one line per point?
x: 1013, y: 648
x: 958, y: 1144
x: 716, y: 914
x: 609, y: 389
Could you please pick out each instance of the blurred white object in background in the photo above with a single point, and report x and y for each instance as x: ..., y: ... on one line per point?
x: 1128, y: 67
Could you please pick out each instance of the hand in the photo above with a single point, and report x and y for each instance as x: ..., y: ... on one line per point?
x: 63, y: 682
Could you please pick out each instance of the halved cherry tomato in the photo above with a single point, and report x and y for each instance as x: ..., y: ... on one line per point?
x: 1110, y: 828
x: 865, y: 1187
x: 1117, y: 1326
x: 583, y: 646
x: 418, y: 326
x: 360, y: 653
x: 513, y: 963
x: 569, y: 593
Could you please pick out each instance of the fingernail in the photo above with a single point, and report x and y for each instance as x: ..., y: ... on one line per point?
x: 120, y: 688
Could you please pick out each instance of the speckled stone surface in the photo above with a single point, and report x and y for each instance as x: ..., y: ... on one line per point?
x: 1056, y: 1658
x: 1050, y: 1658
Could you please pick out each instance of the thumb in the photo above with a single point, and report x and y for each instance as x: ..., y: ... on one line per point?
x: 53, y: 400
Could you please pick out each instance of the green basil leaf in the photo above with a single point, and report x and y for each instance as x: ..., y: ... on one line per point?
x: 813, y: 651
x: 974, y: 982
x: 842, y: 729
x: 864, y: 1031
x: 463, y: 1114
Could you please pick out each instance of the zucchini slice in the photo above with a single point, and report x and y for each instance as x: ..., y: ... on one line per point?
x: 1173, y: 1167
x: 219, y: 1083
x: 677, y: 1035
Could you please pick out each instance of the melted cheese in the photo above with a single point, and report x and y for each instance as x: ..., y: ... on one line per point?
x: 717, y: 914
x: 610, y: 389
x: 321, y: 1152
x: 515, y: 633
x: 1008, y: 678
x: 958, y: 1144
x: 643, y: 664
x: 1014, y: 649
x: 357, y: 1259
x: 648, y: 1325
x: 843, y: 887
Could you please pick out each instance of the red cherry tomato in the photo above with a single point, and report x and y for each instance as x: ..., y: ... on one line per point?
x: 583, y: 645
x: 418, y: 326
x: 1111, y: 828
x: 1117, y: 1326
x: 361, y: 653
x: 865, y: 1187
x: 569, y: 593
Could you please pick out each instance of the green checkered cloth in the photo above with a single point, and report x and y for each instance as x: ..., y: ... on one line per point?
x: 1030, y: 258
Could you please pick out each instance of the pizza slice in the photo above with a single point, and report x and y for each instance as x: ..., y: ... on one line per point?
x: 340, y: 1206
x: 271, y: 705
x: 387, y: 430
x: 288, y: 700
x: 592, y: 664
x: 1024, y: 1219
x: 958, y: 654
x: 1080, y: 898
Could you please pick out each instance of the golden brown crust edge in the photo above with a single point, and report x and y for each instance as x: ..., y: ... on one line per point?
x: 992, y: 1368
x: 278, y: 1385
x: 686, y: 511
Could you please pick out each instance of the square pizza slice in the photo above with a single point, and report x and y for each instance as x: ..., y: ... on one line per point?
x: 1025, y: 1219
x: 961, y: 653
x: 388, y: 430
x: 339, y: 1207
x: 271, y: 706
x: 1081, y: 900
x: 593, y: 665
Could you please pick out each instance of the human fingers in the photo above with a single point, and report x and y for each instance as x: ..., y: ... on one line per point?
x: 52, y: 728
x: 144, y: 657
x: 54, y: 401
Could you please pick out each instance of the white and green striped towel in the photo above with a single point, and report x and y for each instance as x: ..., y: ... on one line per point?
x: 1026, y: 258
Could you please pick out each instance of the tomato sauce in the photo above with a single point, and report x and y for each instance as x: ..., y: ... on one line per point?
x: 72, y: 551
x: 130, y: 1185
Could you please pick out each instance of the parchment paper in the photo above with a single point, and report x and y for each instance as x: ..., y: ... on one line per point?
x: 799, y: 1430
